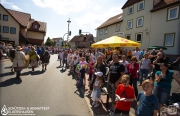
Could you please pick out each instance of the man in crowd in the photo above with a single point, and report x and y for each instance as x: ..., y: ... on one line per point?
x: 115, y: 73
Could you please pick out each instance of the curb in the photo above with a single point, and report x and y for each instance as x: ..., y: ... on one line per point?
x: 4, y: 60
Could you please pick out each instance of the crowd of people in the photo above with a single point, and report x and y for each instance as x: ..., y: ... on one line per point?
x: 123, y: 70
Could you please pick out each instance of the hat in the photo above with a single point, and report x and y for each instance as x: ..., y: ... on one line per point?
x: 18, y: 48
x: 83, y: 66
x: 99, y: 74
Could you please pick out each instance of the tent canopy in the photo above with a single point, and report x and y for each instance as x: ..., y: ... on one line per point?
x: 115, y: 41
x: 157, y: 48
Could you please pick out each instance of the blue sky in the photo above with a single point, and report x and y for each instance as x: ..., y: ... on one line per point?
x: 86, y: 15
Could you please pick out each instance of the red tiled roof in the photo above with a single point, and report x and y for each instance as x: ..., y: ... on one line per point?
x: 35, y: 41
x: 110, y: 21
x: 42, y: 25
x: 80, y: 38
x: 21, y: 17
x: 164, y: 3
x: 130, y: 3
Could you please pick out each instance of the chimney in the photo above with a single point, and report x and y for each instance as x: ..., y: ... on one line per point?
x: 157, y: 1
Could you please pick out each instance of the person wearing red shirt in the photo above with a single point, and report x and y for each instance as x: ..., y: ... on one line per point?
x: 124, y: 97
x: 132, y: 70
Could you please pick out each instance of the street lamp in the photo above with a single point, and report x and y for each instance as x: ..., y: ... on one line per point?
x: 68, y: 28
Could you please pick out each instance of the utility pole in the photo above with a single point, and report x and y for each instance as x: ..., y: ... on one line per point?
x: 68, y: 28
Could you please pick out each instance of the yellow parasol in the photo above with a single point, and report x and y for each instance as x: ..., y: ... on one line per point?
x: 115, y: 41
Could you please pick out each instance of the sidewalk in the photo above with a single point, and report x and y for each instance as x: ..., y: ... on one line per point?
x: 101, y: 110
x: 4, y: 60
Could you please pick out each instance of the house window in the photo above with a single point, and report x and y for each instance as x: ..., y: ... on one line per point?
x: 129, y: 24
x: 139, y: 37
x: 101, y: 32
x: 5, y: 17
x: 105, y: 31
x: 140, y: 22
x: 35, y: 26
x: 0, y: 28
x: 169, y: 40
x: 5, y: 29
x: 130, y: 10
x: 13, y: 30
x: 0, y: 16
x: 141, y: 5
x: 173, y: 13
x: 128, y: 37
x: 117, y: 27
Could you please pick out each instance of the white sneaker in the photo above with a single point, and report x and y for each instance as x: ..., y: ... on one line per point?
x: 93, y: 103
x: 96, y: 105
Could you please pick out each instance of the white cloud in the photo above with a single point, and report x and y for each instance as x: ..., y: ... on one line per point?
x: 11, y: 4
x: 97, y: 7
x: 5, y: 2
x: 63, y: 6
x: 94, y: 20
x: 16, y: 7
x: 27, y: 5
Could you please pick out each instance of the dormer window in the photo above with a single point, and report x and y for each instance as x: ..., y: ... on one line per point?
x: 35, y: 26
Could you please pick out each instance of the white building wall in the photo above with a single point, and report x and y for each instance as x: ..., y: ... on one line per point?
x: 160, y: 26
x: 146, y: 14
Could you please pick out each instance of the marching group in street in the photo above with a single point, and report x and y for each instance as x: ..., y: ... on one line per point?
x: 123, y: 70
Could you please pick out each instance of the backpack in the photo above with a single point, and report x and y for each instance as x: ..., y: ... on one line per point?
x: 12, y: 53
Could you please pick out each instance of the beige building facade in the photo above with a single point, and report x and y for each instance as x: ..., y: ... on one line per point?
x: 109, y: 28
x: 18, y: 28
x: 9, y: 27
x: 149, y: 22
x: 136, y: 22
x: 166, y: 32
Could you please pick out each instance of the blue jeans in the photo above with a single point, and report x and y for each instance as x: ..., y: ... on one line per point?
x: 133, y: 82
x: 162, y: 94
x: 143, y: 72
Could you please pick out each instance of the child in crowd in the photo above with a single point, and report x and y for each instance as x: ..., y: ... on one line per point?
x: 75, y: 63
x: 124, y: 97
x: 147, y: 102
x: 71, y: 64
x: 82, y: 76
x: 96, y: 94
x: 90, y: 67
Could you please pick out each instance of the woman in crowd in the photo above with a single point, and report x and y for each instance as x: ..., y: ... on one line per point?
x: 144, y: 68
x: 125, y: 63
x: 33, y: 58
x: 98, y: 67
x: 18, y: 61
x: 163, y: 82
x: 44, y: 57
x: 132, y: 69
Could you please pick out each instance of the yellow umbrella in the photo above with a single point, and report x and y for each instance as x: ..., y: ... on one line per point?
x: 115, y: 41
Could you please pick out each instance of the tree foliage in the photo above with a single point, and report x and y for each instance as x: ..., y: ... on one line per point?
x: 49, y: 42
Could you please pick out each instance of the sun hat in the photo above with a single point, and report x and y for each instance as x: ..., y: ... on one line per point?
x: 99, y: 74
x: 18, y: 48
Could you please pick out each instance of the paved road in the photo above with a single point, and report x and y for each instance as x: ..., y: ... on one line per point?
x: 53, y: 89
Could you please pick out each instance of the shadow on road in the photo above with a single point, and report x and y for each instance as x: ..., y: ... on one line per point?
x: 8, y: 67
x: 80, y: 92
x: 7, y: 74
x: 10, y: 82
x: 38, y: 72
x: 63, y: 70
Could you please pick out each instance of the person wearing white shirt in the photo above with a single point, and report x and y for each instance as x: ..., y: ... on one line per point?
x: 125, y: 63
x: 60, y: 56
x: 137, y: 54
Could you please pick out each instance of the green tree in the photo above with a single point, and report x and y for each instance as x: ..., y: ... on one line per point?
x: 49, y: 42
